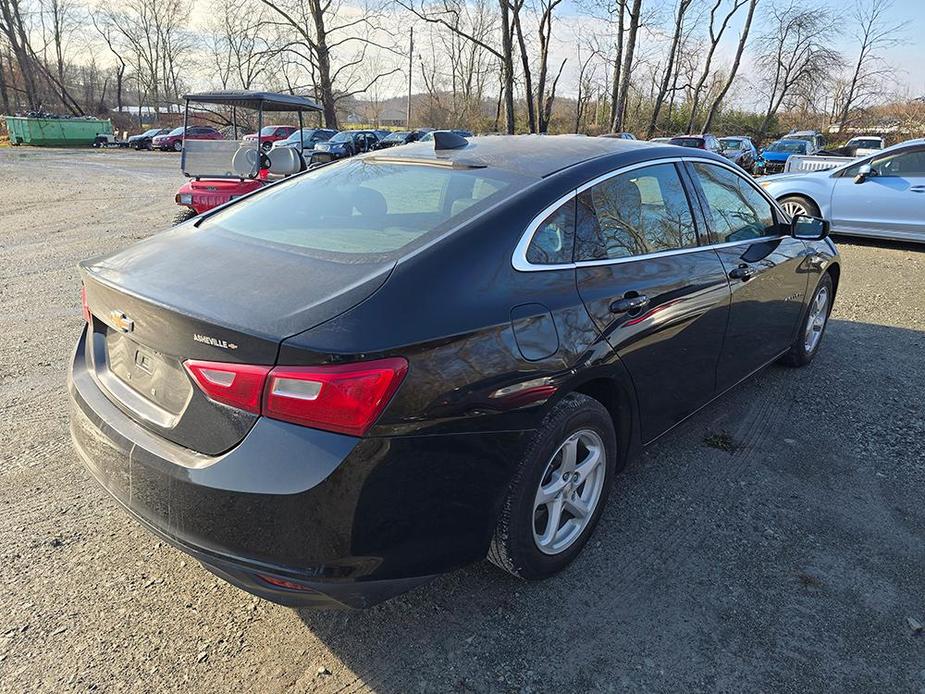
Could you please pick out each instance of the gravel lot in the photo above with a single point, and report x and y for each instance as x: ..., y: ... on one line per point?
x: 791, y: 562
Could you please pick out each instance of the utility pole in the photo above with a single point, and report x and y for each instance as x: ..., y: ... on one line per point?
x: 410, y: 58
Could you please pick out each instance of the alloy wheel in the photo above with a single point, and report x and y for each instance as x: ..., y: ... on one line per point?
x: 815, y: 322
x: 794, y: 207
x: 569, y: 491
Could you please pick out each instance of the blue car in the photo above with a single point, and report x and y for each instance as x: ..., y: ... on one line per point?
x: 773, y: 157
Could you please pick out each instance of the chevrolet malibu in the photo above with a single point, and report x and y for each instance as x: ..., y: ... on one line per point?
x: 380, y: 370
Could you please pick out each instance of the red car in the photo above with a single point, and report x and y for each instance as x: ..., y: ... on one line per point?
x: 271, y: 133
x: 174, y: 139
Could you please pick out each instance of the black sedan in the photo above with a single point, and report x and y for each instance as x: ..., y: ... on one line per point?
x: 402, y: 137
x: 143, y: 140
x: 381, y: 370
x: 346, y: 143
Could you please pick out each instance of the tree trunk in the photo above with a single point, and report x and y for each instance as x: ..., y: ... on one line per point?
x: 669, y: 68
x: 743, y: 38
x: 525, y: 61
x: 507, y: 66
x: 323, y: 59
x: 622, y: 97
x: 617, y: 64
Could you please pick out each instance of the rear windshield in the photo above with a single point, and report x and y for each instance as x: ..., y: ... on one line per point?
x: 729, y: 145
x: 361, y: 207
x: 687, y: 141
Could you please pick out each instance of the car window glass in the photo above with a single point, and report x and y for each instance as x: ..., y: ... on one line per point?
x: 359, y: 208
x: 641, y: 211
x: 554, y: 238
x: 738, y: 212
x: 908, y: 163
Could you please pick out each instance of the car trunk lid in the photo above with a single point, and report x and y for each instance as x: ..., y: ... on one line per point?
x: 191, y: 294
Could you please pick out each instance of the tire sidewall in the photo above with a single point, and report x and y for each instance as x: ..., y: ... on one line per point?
x: 807, y: 356
x: 585, y: 413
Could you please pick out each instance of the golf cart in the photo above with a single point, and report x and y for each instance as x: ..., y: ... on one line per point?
x: 222, y: 170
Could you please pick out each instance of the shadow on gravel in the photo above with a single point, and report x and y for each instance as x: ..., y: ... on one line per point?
x: 710, y: 570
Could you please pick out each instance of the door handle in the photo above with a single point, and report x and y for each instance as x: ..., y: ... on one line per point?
x: 917, y: 189
x: 743, y: 272
x: 628, y: 304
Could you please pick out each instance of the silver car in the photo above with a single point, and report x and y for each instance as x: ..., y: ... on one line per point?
x: 878, y: 196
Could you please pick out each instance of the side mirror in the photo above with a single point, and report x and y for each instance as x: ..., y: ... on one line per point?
x: 864, y: 172
x: 808, y: 228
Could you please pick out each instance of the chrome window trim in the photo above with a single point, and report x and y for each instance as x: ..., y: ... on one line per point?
x: 519, y: 258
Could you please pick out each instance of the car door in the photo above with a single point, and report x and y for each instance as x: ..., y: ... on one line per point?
x: 659, y: 299
x: 766, y: 267
x: 889, y: 203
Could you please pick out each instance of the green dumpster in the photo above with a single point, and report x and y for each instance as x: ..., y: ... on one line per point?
x: 55, y: 132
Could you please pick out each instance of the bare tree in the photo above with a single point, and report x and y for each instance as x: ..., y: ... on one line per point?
x: 798, y: 54
x: 446, y: 14
x: 629, y: 49
x: 716, y: 32
x: 670, y: 64
x: 733, y: 71
x: 153, y: 34
x: 876, y: 30
x: 334, y: 41
x: 239, y: 43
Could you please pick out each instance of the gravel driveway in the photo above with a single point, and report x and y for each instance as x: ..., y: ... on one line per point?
x: 774, y: 542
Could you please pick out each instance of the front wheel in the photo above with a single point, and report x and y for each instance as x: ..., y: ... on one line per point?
x: 807, y: 341
x: 559, y: 490
x: 798, y: 205
x: 177, y: 146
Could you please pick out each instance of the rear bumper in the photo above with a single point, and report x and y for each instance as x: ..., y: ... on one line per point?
x: 351, y: 521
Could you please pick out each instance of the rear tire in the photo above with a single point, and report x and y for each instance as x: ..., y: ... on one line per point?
x: 808, y: 339
x: 183, y: 215
x: 559, y: 490
x: 797, y: 204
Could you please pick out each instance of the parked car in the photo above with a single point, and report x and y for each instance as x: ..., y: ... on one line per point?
x: 739, y: 149
x: 337, y: 387
x: 706, y: 141
x: 174, y: 139
x: 619, y: 136
x: 429, y: 137
x: 863, y: 145
x: 310, y: 137
x: 661, y: 140
x: 347, y: 143
x: 879, y: 196
x: 270, y: 134
x: 402, y: 137
x: 772, y: 158
x: 814, y: 137
x: 143, y: 140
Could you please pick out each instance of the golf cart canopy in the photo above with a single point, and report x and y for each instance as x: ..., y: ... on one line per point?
x: 266, y: 101
x: 230, y: 157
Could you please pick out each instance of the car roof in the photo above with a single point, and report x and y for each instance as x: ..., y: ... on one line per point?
x: 535, y: 156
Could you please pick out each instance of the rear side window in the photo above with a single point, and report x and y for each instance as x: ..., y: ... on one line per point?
x: 554, y: 238
x: 362, y: 207
x: 736, y: 210
x: 641, y: 211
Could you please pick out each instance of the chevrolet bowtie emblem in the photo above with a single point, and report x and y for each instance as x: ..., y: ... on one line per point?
x: 121, y: 321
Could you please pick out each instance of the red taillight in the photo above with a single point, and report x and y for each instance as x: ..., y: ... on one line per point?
x: 238, y: 385
x: 346, y: 398
x: 85, y: 306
